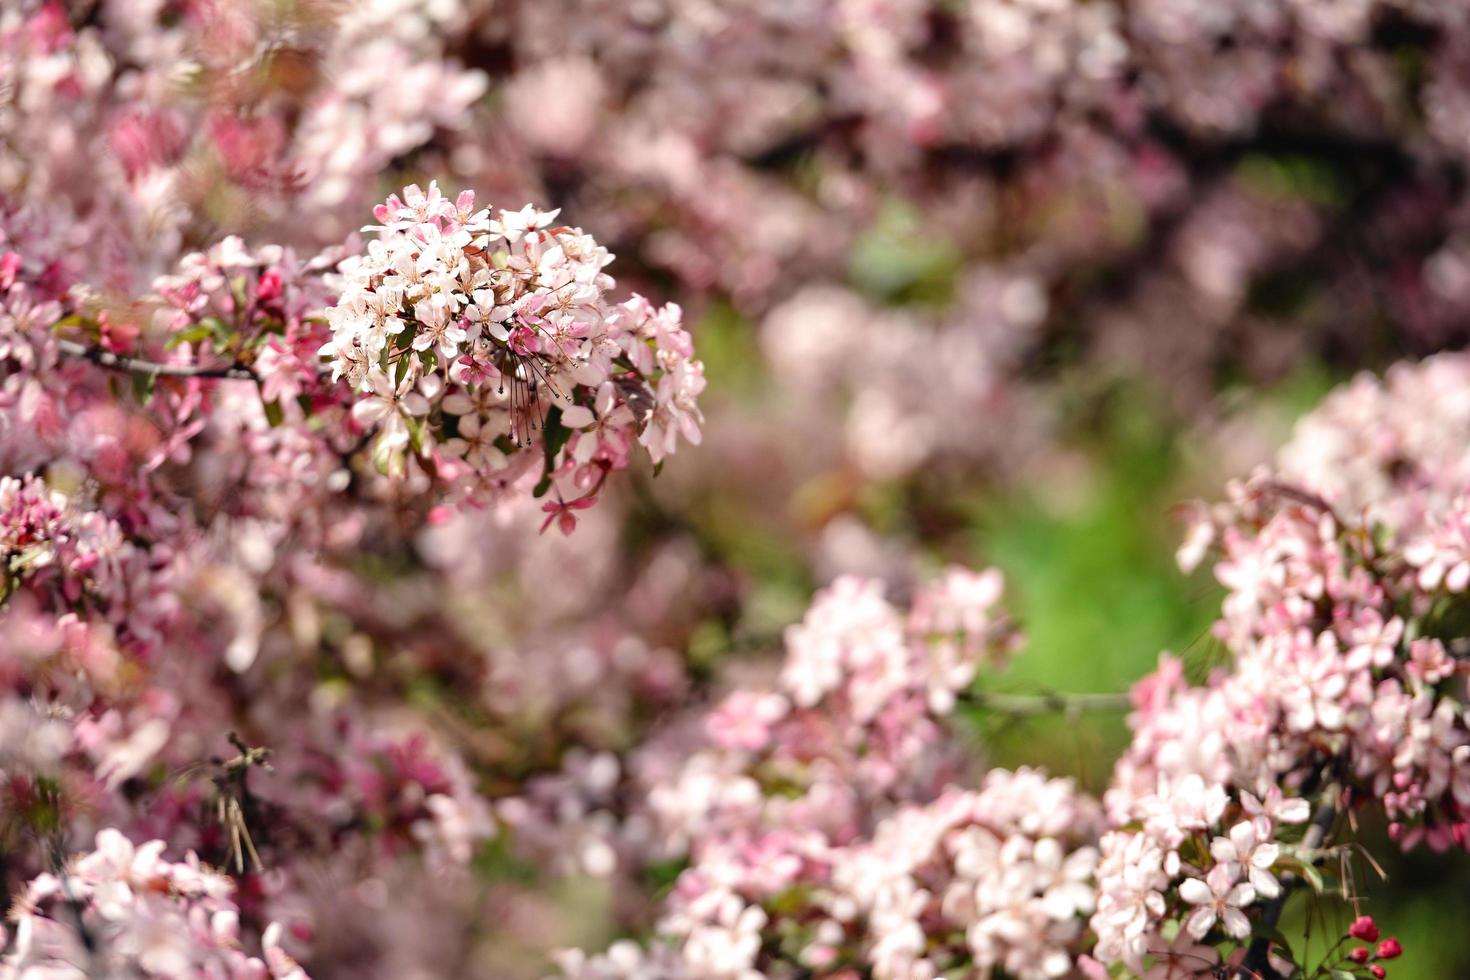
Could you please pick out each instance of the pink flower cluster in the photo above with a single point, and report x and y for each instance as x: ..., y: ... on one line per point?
x: 935, y: 211
x: 487, y: 348
x: 1344, y: 681
x: 123, y: 911
x: 826, y: 812
x: 827, y: 827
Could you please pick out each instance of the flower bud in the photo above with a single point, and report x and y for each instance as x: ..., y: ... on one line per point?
x: 1364, y: 928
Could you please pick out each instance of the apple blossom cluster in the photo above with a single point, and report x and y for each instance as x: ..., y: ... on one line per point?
x: 124, y: 911
x: 825, y: 827
x: 175, y: 555
x: 815, y: 840
x: 488, y: 348
x: 223, y: 628
x: 1346, y: 679
x: 857, y: 712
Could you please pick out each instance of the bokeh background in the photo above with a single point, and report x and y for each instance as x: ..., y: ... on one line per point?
x: 980, y: 281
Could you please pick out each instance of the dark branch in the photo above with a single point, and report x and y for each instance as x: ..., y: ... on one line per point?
x: 1257, y: 962
x: 152, y: 369
x: 1051, y: 702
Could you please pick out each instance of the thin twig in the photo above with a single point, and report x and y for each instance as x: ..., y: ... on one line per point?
x: 1051, y: 702
x: 1304, y: 497
x: 153, y: 369
x: 1257, y: 962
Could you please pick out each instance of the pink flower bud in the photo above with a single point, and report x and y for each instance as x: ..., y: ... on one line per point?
x: 270, y: 287
x: 1364, y: 928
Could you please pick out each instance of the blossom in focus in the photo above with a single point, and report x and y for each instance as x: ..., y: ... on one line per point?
x: 488, y: 354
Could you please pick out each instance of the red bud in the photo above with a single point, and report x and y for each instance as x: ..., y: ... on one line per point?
x: 1364, y: 928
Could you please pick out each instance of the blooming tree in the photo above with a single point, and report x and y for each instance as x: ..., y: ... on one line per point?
x: 1343, y: 696
x: 461, y: 362
x: 292, y: 677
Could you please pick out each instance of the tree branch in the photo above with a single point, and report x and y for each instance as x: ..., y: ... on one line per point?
x: 1051, y: 702
x: 1257, y: 962
x: 153, y: 369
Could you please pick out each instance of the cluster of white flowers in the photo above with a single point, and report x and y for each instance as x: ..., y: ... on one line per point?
x: 1234, y: 847
x: 487, y: 350
x: 124, y: 911
x: 1007, y: 867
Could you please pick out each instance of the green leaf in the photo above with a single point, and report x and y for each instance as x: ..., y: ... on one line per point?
x: 274, y: 413
x: 900, y: 257
x: 1342, y: 975
x: 189, y: 335
x: 382, y: 456
x: 554, y: 436
x: 143, y: 387
x: 69, y: 321
x: 237, y: 292
x: 1314, y: 877
x: 416, y: 429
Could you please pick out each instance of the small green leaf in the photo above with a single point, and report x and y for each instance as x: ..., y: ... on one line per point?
x: 143, y: 387
x: 189, y: 335
x: 69, y: 321
x: 382, y: 456
x: 416, y: 429
x: 274, y: 414
x: 225, y: 336
x: 553, y: 437
x: 1314, y: 877
x: 237, y: 292
x: 556, y: 433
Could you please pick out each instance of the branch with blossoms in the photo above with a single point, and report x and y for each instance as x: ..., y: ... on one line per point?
x: 152, y: 369
x: 1258, y: 960
x: 177, y: 519
x: 481, y: 356
x: 1345, y: 693
x: 486, y: 354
